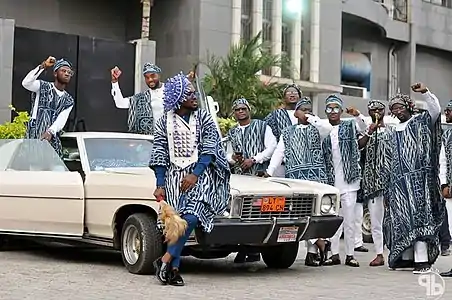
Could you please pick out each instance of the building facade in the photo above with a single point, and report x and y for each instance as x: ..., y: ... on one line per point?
x: 361, y: 48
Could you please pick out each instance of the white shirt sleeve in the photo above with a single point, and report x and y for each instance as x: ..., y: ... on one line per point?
x: 60, y: 121
x: 270, y: 145
x: 31, y: 82
x: 322, y: 126
x: 120, y: 101
x: 442, y: 166
x: 361, y: 125
x: 432, y: 104
x: 277, y: 158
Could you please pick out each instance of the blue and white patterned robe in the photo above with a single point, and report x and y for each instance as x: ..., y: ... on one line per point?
x: 50, y: 105
x: 250, y: 141
x: 278, y: 120
x: 303, y: 154
x: 141, y: 118
x: 415, y: 208
x: 447, y: 143
x: 209, y: 197
x: 348, y: 145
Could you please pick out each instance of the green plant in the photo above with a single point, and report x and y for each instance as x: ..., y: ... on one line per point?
x: 15, y: 129
x: 226, y: 124
x: 237, y: 75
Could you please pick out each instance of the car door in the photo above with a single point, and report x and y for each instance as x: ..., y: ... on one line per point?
x: 38, y: 194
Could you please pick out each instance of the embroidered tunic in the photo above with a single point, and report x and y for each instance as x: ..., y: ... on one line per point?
x: 179, y: 148
x: 255, y: 140
x: 49, y: 106
x: 446, y: 158
x: 415, y: 208
x: 280, y: 119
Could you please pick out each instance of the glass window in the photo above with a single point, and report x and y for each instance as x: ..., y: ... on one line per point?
x: 29, y: 155
x: 246, y: 31
x: 106, y: 153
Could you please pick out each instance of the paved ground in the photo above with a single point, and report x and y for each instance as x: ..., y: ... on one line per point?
x: 62, y: 273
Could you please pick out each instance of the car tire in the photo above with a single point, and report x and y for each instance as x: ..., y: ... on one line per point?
x: 281, y: 256
x: 366, y: 227
x: 142, y: 229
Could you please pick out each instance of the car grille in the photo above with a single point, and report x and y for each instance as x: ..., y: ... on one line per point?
x: 295, y: 207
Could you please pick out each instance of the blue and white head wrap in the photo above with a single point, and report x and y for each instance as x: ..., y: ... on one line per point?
x: 334, y: 99
x: 376, y: 104
x: 61, y: 63
x: 241, y: 101
x: 151, y: 68
x: 293, y: 85
x: 303, y: 101
x: 175, y: 91
x: 449, y: 105
x: 402, y: 99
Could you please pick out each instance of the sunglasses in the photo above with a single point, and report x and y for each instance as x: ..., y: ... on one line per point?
x: 330, y: 110
x: 67, y: 71
x: 193, y: 95
x: 240, y: 109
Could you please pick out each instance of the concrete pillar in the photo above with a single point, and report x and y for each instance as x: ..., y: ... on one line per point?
x: 276, y: 33
x: 6, y: 68
x: 236, y: 21
x: 296, y: 47
x: 257, y: 16
x: 144, y: 52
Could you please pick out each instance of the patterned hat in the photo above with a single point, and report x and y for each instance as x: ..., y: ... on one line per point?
x: 334, y: 99
x: 293, y: 85
x: 376, y: 104
x: 61, y: 63
x: 151, y: 68
x: 241, y: 101
x: 449, y: 105
x: 303, y: 101
x: 402, y: 99
x: 176, y: 91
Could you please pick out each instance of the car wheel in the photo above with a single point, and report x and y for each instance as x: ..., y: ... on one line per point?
x: 281, y: 256
x: 141, y: 243
x: 366, y: 227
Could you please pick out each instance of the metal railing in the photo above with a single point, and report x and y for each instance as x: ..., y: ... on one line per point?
x: 397, y: 9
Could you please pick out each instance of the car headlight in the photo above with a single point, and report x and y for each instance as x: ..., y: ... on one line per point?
x: 327, y: 204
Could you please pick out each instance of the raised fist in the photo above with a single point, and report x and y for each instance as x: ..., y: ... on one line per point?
x: 352, y: 111
x: 419, y: 87
x: 115, y: 74
x: 49, y: 62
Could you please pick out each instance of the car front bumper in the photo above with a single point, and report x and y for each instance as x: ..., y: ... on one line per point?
x: 229, y: 231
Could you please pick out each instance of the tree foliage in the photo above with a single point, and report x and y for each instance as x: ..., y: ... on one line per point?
x: 15, y: 129
x: 236, y: 76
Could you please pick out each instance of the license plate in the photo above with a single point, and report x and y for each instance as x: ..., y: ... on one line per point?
x: 273, y: 204
x: 287, y: 234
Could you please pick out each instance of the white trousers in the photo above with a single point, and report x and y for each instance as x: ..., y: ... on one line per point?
x: 359, y: 214
x: 419, y: 253
x: 449, y: 212
x: 347, y: 211
x: 312, y: 247
x: 377, y: 211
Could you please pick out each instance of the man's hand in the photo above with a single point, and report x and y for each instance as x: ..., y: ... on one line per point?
x: 188, y: 182
x: 247, y: 163
x: 302, y: 116
x: 115, y: 74
x: 419, y: 88
x: 372, y: 128
x: 191, y: 76
x: 49, y: 62
x: 446, y: 192
x: 352, y: 111
x: 237, y: 158
x: 46, y: 136
x: 266, y: 175
x: 159, y: 194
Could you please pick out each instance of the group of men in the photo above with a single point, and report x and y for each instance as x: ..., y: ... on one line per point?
x: 394, y: 167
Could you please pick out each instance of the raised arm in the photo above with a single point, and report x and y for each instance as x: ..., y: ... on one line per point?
x: 323, y: 127
x: 277, y: 158
x: 270, y: 145
x: 31, y: 82
x: 119, y: 99
x: 432, y: 104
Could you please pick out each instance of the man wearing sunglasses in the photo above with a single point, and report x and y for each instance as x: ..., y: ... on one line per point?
x: 414, y: 206
x: 282, y: 118
x: 145, y: 108
x: 372, y: 145
x: 51, y: 103
x: 252, y: 144
x: 342, y: 156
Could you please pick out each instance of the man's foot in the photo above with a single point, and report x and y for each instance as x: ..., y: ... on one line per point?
x: 334, y: 260
x: 175, y: 279
x: 445, y: 252
x: 161, y: 271
x: 240, y: 258
x: 447, y: 274
x: 351, y: 261
x: 253, y: 257
x: 311, y: 260
x: 361, y: 249
x: 378, y: 261
x: 422, y: 268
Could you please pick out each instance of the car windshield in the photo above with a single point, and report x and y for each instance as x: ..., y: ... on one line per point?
x: 117, y: 153
x: 29, y: 155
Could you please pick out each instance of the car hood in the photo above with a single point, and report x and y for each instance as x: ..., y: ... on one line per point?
x: 254, y: 185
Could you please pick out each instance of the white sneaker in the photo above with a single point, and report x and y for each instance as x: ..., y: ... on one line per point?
x: 424, y: 270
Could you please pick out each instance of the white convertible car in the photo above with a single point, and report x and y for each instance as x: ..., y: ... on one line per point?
x: 101, y: 193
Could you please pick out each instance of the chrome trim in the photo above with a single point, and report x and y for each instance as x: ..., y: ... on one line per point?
x: 308, y: 221
x: 267, y: 238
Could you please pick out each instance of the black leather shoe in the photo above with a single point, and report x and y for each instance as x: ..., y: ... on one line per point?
x: 161, y: 273
x: 311, y: 260
x: 253, y: 257
x: 175, y: 279
x: 240, y: 258
x: 447, y: 274
x: 361, y: 249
